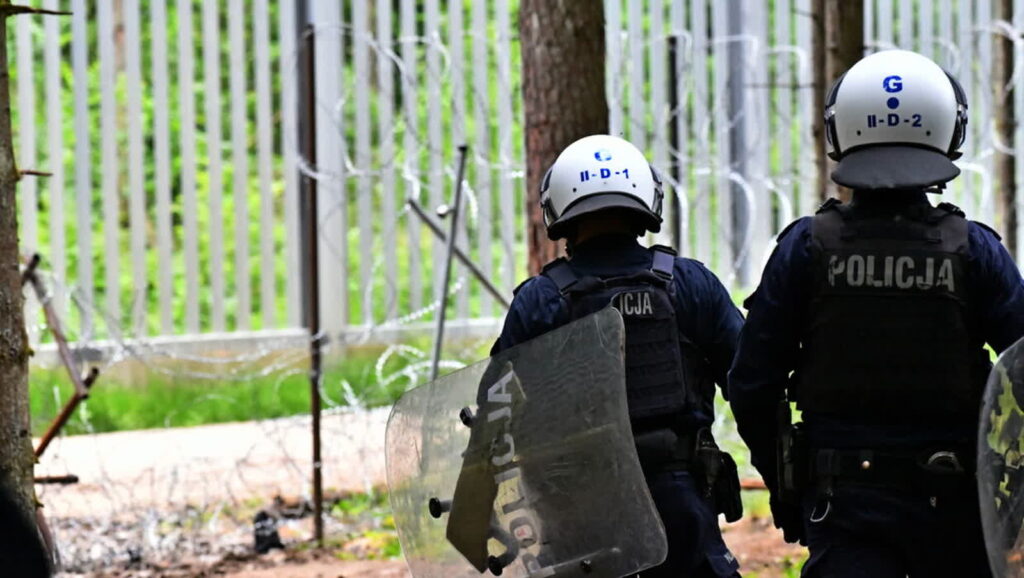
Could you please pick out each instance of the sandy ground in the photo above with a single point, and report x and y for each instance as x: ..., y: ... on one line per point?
x: 134, y: 476
x: 227, y: 463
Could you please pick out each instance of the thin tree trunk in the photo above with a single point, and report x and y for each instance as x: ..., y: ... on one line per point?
x: 16, y: 457
x: 563, y: 49
x: 838, y: 45
x: 821, y: 86
x: 1005, y: 126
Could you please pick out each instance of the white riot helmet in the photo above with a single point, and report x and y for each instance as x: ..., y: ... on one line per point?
x: 600, y: 172
x: 895, y: 120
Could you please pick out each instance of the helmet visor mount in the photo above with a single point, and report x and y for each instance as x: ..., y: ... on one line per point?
x: 607, y: 201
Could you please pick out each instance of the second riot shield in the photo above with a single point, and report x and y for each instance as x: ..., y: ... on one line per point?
x: 1001, y: 464
x: 523, y: 465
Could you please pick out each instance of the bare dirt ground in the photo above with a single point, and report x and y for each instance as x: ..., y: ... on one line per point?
x: 179, y: 503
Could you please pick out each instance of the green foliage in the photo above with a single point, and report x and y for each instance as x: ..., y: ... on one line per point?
x: 137, y: 396
x: 410, y: 168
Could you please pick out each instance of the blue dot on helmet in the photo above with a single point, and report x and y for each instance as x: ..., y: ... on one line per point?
x: 603, y: 155
x: 893, y: 103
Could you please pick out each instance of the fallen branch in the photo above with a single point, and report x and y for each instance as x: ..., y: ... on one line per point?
x: 15, y: 10
x: 34, y: 173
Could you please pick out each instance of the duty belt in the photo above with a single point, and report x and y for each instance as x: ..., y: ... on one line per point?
x: 665, y: 449
x: 931, y: 471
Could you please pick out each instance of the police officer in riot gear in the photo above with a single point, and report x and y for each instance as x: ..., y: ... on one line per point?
x: 872, y: 317
x: 681, y: 330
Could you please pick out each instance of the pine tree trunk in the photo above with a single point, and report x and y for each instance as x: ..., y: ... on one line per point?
x: 838, y: 45
x: 563, y: 52
x: 16, y: 456
x: 1003, y: 97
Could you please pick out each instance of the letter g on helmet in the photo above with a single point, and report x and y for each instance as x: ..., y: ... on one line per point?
x: 895, y: 120
x: 597, y: 173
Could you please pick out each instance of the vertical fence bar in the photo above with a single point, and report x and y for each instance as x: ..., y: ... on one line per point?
x: 724, y: 230
x: 809, y: 193
x: 240, y: 159
x: 658, y: 55
x: 637, y: 129
x: 481, y: 149
x: 869, y: 25
x: 701, y: 130
x: 965, y: 75
x: 214, y: 170
x: 457, y: 57
x: 926, y: 25
x: 332, y: 191
x: 783, y: 92
x: 111, y: 172
x: 944, y: 49
x: 758, y: 145
x: 435, y: 179
x: 361, y: 68
x: 264, y: 142
x: 679, y: 115
x: 186, y: 103
x: 28, y: 189
x: 83, y: 160
x: 509, y: 232
x: 411, y: 173
x: 289, y: 142
x: 906, y: 16
x: 386, y: 154
x: 613, y: 74
x: 55, y: 156
x: 885, y: 19
x: 136, y: 183
x: 162, y: 165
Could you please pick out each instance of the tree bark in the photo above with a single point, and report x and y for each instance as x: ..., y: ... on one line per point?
x: 1005, y: 126
x: 838, y: 45
x: 563, y: 53
x: 16, y: 456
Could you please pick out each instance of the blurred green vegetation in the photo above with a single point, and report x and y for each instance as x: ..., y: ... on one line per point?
x: 169, y: 395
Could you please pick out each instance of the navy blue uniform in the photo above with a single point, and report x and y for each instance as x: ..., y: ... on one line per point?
x: 707, y: 316
x: 869, y: 530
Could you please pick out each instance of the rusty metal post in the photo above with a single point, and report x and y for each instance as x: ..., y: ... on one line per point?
x: 459, y: 253
x: 308, y: 116
x: 453, y: 239
x: 82, y: 385
x: 69, y: 408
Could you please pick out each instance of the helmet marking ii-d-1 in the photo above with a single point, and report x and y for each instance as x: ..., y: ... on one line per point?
x: 895, y: 120
x: 596, y: 173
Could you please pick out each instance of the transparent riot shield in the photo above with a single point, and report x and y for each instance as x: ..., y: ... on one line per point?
x: 1000, y: 463
x: 523, y: 465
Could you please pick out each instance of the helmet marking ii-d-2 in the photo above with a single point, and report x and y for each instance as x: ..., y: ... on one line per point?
x: 596, y: 173
x: 895, y: 120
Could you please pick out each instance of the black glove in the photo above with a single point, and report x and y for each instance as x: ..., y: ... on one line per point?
x: 790, y: 519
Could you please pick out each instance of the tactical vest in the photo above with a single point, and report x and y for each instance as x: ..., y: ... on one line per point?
x: 887, y: 337
x: 665, y: 372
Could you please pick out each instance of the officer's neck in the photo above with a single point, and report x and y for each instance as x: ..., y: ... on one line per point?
x: 602, y: 225
x: 892, y: 197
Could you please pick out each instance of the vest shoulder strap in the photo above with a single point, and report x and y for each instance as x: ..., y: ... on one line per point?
x: 830, y: 203
x: 951, y: 208
x: 561, y: 273
x: 663, y: 261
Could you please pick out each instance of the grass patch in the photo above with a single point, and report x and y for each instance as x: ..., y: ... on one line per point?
x: 151, y: 396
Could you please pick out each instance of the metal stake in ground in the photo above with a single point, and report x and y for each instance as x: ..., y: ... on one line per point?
x: 308, y: 113
x: 453, y: 234
x: 459, y: 253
